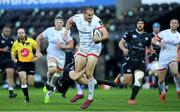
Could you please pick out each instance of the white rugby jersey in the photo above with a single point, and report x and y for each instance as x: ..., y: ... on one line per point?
x: 54, y: 37
x: 172, y: 40
x: 86, y: 30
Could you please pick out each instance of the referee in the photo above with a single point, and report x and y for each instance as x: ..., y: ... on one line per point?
x: 22, y: 53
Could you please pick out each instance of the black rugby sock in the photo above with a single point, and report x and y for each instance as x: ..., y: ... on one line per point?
x: 10, y: 92
x: 25, y: 91
x: 135, y: 90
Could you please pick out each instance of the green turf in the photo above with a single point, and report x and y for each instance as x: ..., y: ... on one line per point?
x: 109, y: 100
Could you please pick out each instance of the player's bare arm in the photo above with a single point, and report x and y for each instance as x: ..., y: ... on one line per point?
x: 156, y: 41
x: 13, y: 57
x: 69, y: 45
x: 38, y: 45
x: 122, y: 46
x: 5, y: 49
x: 75, y: 76
x: 69, y: 24
x: 105, y: 34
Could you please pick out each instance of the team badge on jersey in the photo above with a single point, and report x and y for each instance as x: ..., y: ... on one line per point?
x: 146, y: 38
x: 24, y: 52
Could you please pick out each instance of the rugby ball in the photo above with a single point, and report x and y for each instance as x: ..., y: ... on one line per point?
x: 97, y: 33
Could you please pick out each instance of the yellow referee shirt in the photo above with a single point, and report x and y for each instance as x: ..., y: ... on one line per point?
x: 24, y: 50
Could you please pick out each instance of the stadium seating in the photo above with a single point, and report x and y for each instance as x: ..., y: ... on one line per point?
x: 36, y: 20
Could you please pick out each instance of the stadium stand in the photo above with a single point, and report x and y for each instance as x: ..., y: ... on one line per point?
x: 36, y: 18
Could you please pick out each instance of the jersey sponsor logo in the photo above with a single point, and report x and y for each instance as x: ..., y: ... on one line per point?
x: 124, y: 36
x: 129, y: 70
x: 140, y: 44
x: 2, y: 41
x: 32, y: 71
x: 146, y: 38
x: 171, y: 42
x: 85, y: 32
x: 134, y: 36
x: 80, y: 22
x: 24, y: 52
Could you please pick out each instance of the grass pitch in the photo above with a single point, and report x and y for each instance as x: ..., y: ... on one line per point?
x: 109, y: 100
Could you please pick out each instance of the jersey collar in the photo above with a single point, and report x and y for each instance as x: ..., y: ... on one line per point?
x: 4, y: 36
x: 139, y: 32
x: 22, y: 41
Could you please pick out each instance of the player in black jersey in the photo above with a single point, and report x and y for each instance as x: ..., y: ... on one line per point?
x: 65, y: 81
x: 6, y: 62
x: 133, y: 44
x: 153, y: 56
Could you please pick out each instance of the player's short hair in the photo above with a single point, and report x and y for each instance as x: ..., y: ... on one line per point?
x: 7, y: 26
x: 87, y: 8
x: 58, y: 17
x: 175, y: 18
x: 21, y: 28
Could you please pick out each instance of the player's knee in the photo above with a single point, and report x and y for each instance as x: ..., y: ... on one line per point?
x: 138, y: 78
x: 173, y: 64
x: 23, y: 81
x: 161, y: 78
x: 52, y: 70
x: 176, y: 74
x: 10, y: 76
x: 127, y: 80
x: 89, y: 73
x: 82, y: 81
x: 31, y: 83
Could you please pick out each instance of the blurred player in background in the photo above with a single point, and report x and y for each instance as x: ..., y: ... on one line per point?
x: 6, y: 62
x: 169, y: 41
x: 153, y: 56
x: 178, y: 70
x: 22, y: 54
x: 55, y: 52
x: 136, y: 40
x: 89, y: 49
